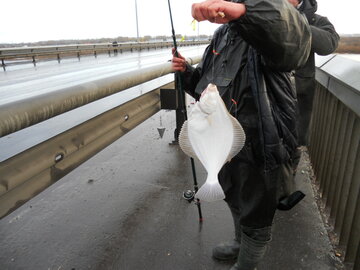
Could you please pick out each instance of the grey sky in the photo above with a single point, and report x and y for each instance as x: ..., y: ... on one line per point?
x: 35, y: 20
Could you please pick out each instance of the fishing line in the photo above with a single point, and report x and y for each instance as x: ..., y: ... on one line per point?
x: 178, y: 85
x: 215, y: 53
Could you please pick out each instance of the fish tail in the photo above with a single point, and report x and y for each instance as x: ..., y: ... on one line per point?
x: 210, y: 191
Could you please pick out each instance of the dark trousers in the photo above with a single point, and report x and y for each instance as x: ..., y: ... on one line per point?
x: 305, y: 88
x: 252, y: 191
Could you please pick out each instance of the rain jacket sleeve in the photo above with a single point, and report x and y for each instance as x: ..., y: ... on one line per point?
x: 277, y: 31
x: 192, y: 75
x: 324, y: 36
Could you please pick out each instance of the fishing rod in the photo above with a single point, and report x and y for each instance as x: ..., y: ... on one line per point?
x: 189, y: 195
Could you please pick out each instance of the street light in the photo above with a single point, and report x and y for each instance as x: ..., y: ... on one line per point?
x: 137, y: 25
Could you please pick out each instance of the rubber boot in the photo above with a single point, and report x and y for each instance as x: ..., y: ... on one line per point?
x: 252, y: 248
x: 230, y: 250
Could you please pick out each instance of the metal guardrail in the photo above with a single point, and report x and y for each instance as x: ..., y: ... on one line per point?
x: 335, y: 150
x: 51, y: 160
x: 26, y: 112
x: 35, y: 54
x: 28, y: 173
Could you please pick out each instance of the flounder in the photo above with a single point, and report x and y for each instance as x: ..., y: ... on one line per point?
x: 214, y: 137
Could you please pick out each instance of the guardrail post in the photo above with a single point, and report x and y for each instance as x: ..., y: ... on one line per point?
x: 3, y: 64
x: 34, y: 61
x: 115, y: 45
x: 94, y: 47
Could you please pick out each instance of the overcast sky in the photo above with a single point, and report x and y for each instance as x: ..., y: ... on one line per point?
x: 36, y: 20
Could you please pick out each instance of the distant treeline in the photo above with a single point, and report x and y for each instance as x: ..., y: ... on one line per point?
x: 349, y: 44
x: 101, y: 40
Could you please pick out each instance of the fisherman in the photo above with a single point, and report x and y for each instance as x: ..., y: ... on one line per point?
x: 324, y: 41
x: 249, y: 59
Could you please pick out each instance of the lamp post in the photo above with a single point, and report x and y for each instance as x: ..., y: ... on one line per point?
x: 137, y: 25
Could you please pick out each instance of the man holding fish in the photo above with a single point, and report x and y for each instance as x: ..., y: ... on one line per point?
x: 248, y: 63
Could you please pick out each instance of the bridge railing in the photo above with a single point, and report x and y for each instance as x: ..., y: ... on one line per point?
x: 334, y: 150
x: 12, y: 56
x: 31, y: 171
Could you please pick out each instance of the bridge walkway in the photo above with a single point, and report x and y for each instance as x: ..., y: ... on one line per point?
x: 123, y: 209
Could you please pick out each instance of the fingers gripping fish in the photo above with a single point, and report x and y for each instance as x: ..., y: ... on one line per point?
x: 214, y: 137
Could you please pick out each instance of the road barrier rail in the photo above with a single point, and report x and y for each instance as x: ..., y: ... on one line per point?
x: 12, y: 56
x: 31, y: 171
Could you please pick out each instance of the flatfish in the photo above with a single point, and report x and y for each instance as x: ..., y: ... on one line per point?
x: 214, y: 137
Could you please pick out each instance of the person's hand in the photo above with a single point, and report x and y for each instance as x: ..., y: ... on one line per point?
x: 179, y: 62
x: 217, y: 11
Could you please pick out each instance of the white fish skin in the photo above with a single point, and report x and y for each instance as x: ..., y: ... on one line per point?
x: 213, y: 136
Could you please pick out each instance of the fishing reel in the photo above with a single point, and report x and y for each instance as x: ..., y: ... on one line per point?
x: 189, y: 195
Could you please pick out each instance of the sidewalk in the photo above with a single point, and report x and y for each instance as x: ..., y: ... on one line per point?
x: 123, y: 210
x: 300, y: 240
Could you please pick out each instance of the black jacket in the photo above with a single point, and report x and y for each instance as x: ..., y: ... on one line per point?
x: 324, y: 37
x: 324, y: 41
x: 249, y: 59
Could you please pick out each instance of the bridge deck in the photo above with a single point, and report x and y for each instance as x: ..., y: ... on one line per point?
x: 123, y: 209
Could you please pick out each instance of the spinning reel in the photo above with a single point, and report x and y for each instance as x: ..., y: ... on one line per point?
x: 189, y: 195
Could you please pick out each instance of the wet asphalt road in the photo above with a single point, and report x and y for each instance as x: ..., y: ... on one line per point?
x: 123, y: 209
x: 23, y: 81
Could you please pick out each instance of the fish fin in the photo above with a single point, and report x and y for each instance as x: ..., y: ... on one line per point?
x: 184, y: 141
x: 210, y: 192
x: 239, y: 138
